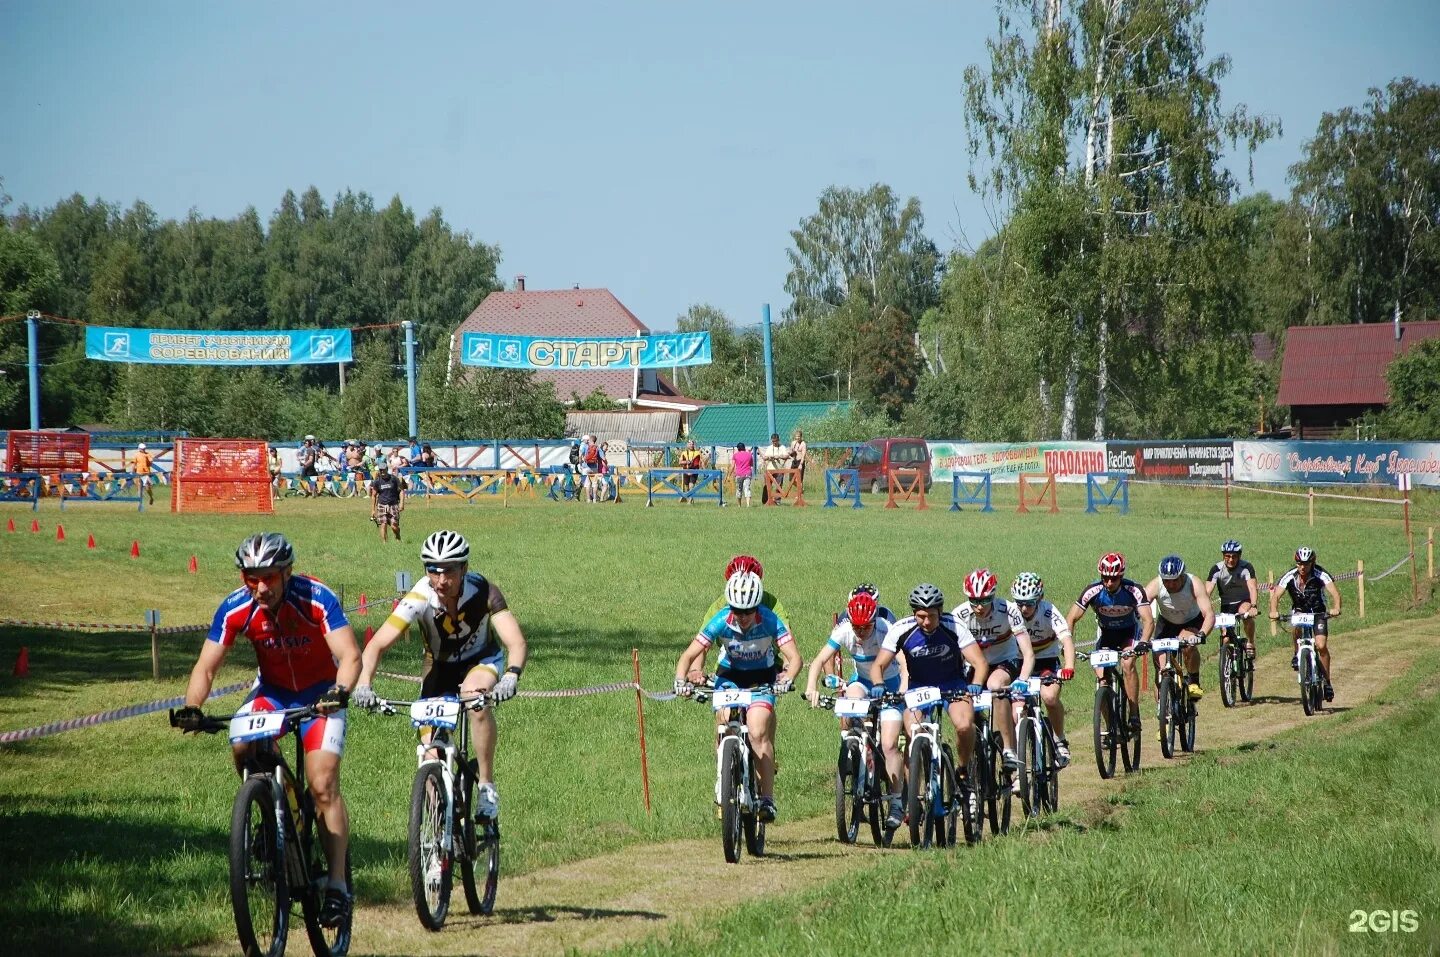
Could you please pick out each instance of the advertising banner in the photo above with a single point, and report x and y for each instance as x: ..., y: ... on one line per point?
x: 1312, y: 463
x: 657, y: 351
x: 1003, y: 461
x: 1180, y: 460
x: 217, y: 348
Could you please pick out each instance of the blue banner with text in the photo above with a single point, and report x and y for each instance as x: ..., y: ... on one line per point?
x: 660, y: 351
x: 217, y: 348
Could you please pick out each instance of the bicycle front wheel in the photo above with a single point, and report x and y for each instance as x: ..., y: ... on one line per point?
x: 1106, y: 735
x: 1229, y: 664
x: 731, y: 768
x: 921, y: 825
x: 1167, y: 717
x: 431, y: 864
x: 259, y: 890
x: 1000, y: 786
x: 1032, y: 766
x: 947, y: 811
x: 849, y: 796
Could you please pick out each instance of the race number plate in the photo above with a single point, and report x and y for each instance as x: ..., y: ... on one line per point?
x: 257, y: 725
x: 1105, y: 659
x: 982, y: 701
x: 920, y: 697
x: 731, y: 698
x: 1225, y: 620
x: 1166, y: 644
x: 851, y: 707
x: 1302, y: 618
x: 1035, y: 685
x: 435, y: 713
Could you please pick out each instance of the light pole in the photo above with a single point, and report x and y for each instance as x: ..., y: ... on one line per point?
x: 32, y: 335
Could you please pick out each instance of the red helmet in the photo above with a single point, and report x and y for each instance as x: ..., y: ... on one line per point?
x: 744, y: 563
x: 862, y: 610
x: 1111, y: 563
x: 980, y: 584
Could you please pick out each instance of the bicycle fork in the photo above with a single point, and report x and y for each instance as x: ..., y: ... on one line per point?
x: 447, y: 774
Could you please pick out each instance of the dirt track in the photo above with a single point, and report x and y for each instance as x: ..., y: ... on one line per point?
x: 646, y: 890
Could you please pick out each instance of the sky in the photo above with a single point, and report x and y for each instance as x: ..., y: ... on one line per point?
x: 661, y: 150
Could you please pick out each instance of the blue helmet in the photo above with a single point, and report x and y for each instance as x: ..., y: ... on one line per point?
x: 1172, y: 567
x: 1231, y: 547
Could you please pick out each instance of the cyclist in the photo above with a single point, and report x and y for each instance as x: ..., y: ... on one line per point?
x: 1239, y: 589
x: 473, y: 643
x: 1122, y: 613
x: 1049, y: 638
x: 1185, y: 612
x: 936, y: 647
x: 307, y: 655
x: 749, y: 634
x: 1000, y: 632
x: 835, y: 663
x: 744, y: 563
x: 861, y: 633
x: 1308, y: 584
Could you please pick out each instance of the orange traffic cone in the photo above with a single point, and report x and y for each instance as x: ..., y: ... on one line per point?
x: 22, y: 663
x: 369, y: 633
x: 34, y: 524
x: 194, y: 566
x: 135, y: 549
x: 10, y: 525
x: 90, y: 542
x: 59, y: 533
x: 364, y: 608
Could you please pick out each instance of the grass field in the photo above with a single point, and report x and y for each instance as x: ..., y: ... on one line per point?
x: 118, y: 832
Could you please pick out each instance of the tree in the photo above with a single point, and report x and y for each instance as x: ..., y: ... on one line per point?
x: 735, y: 372
x: 29, y: 278
x: 1414, y: 410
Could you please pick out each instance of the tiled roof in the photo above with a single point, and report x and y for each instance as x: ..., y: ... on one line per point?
x: 624, y: 426
x: 1344, y: 365
x: 728, y: 424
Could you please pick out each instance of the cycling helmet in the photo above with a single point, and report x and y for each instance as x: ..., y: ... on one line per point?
x: 1027, y: 587
x: 862, y: 610
x: 1304, y: 554
x: 743, y: 591
x: 1111, y: 563
x: 865, y: 588
x: 926, y: 595
x: 1172, y: 567
x: 1231, y: 547
x: 263, y: 551
x: 744, y: 563
x: 445, y: 548
x: 980, y: 585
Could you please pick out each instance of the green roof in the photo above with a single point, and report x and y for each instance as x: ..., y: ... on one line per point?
x: 728, y: 424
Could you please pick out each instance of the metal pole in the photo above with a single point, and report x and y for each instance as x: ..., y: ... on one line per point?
x: 769, y: 370
x: 410, y: 376
x: 32, y: 335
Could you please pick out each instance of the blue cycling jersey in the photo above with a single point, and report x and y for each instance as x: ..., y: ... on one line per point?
x: 750, y: 649
x: 934, y: 659
x: 1117, y: 611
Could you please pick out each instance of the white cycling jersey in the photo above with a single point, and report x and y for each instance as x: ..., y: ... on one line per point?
x: 996, y: 632
x: 1046, y: 630
x: 843, y: 638
x: 1178, y: 607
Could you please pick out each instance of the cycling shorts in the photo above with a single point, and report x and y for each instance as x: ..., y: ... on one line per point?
x: 731, y: 678
x: 1117, y: 640
x: 1164, y: 628
x: 1232, y: 607
x: 1047, y: 668
x: 317, y: 734
x: 888, y: 712
x: 447, y: 677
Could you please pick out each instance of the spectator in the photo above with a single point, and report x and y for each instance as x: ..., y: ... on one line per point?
x: 744, y: 462
x: 396, y: 459
x: 772, y: 458
x: 387, y: 500
x: 143, y: 466
x: 689, y: 459
x: 592, y: 466
x: 428, y: 458
x: 415, y: 451
x: 355, y: 461
x: 307, y: 458
x: 798, y: 450
x: 275, y: 469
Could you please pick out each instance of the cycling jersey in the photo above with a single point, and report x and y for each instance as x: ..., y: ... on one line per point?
x: 464, y: 637
x: 843, y: 638
x: 1308, y: 595
x: 750, y: 650
x: 934, y: 659
x: 767, y: 599
x: 997, y: 631
x: 1231, y: 585
x: 289, y: 644
x: 1046, y: 630
x: 1181, y: 606
x: 1116, y: 612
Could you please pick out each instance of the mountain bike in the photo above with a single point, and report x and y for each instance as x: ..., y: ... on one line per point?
x: 1111, y: 714
x: 937, y: 801
x: 737, y: 777
x: 444, y: 828
x: 993, y: 780
x: 1035, y: 740
x: 1176, y: 713
x: 276, y: 856
x: 1311, y: 674
x: 862, y: 786
x: 1237, y: 665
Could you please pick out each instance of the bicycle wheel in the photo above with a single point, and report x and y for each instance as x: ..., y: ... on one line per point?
x: 730, y: 784
x: 259, y: 891
x: 1247, y: 676
x: 1032, y: 771
x: 1229, y: 674
x: 971, y: 812
x: 947, y: 809
x: 1130, y: 746
x: 877, y: 804
x: 1106, y: 735
x: 325, y: 941
x: 849, y: 797
x: 430, y: 865
x: 754, y: 827
x: 1167, y: 717
x: 1002, y: 787
x: 921, y: 826
x: 476, y: 843
x: 1188, y: 714
x: 1050, y: 793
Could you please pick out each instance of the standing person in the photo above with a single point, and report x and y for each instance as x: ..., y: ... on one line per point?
x: 744, y: 462
x: 772, y: 457
x: 387, y: 500
x: 473, y: 644
x: 396, y: 459
x: 798, y: 452
x: 1185, y: 613
x: 143, y: 465
x: 689, y: 459
x: 1239, y: 589
x: 308, y: 656
x: 592, y: 467
x: 307, y: 458
x: 1308, y: 584
x: 428, y: 458
x: 414, y: 452
x: 275, y: 469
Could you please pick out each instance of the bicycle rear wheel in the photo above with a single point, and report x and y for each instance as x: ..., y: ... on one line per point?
x: 730, y: 786
x: 325, y: 941
x: 478, y: 844
x: 921, y: 825
x: 431, y: 871
x: 259, y: 890
x: 947, y: 810
x: 1001, y: 786
x: 1188, y: 715
x: 1106, y: 735
x: 877, y: 804
x: 754, y: 827
x: 1050, y: 793
x: 971, y: 810
x: 849, y: 797
x: 1247, y: 679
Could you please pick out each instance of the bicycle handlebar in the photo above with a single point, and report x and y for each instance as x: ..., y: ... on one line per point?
x: 215, y: 723
x: 475, y: 702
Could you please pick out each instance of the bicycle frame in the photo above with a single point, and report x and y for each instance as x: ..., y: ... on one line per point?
x: 453, y: 750
x: 1308, y: 661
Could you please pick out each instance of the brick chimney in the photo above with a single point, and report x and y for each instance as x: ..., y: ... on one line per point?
x: 520, y: 283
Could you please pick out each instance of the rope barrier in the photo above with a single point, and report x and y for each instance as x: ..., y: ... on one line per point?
x: 1391, y: 570
x: 105, y: 717
x: 100, y: 627
x: 563, y: 692
x: 1247, y: 487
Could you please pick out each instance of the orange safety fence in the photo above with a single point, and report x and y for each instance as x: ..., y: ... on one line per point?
x: 221, y: 475
x: 910, y: 483
x: 783, y: 485
x: 1048, y: 491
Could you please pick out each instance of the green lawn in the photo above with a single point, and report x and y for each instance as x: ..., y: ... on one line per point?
x: 118, y: 832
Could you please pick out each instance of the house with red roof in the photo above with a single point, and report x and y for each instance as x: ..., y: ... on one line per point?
x: 1332, y: 375
x: 579, y: 312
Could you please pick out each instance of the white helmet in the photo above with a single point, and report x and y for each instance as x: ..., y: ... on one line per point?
x: 445, y: 548
x: 744, y: 591
x: 309, y: 438
x: 141, y: 446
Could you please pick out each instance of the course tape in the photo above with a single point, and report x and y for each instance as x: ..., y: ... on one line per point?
x: 105, y: 717
x: 100, y: 626
x: 563, y: 692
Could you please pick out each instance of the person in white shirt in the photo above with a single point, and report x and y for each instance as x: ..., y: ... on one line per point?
x: 1000, y: 632
x: 1184, y: 612
x: 1049, y: 640
x: 773, y: 456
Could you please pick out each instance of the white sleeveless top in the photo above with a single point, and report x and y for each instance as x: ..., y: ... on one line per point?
x: 1180, y: 606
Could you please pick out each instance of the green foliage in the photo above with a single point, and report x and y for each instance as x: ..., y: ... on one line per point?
x: 1414, y: 409
x: 736, y: 373
x: 596, y: 401
x: 850, y: 425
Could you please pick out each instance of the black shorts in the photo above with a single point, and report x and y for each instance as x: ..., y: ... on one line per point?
x: 1165, y: 628
x: 1047, y: 667
x: 1116, y: 639
x: 1322, y: 621
x: 1232, y: 607
x: 446, y: 677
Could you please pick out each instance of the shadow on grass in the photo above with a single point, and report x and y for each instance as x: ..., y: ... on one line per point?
x: 65, y: 660
x: 549, y: 913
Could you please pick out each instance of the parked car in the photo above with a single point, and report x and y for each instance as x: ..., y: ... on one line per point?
x: 875, y: 458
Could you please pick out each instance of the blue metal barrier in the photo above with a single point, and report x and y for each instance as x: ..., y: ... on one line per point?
x: 1096, y: 496
x: 970, y: 488
x: 669, y: 483
x: 842, y: 485
x: 21, y: 487
x: 101, y: 487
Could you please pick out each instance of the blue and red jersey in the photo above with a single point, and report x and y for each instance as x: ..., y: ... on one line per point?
x: 290, y: 645
x: 1117, y: 611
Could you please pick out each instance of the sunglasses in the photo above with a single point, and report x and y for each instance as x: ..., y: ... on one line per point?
x: 1110, y: 578
x: 440, y: 569
x: 1025, y: 604
x: 270, y: 578
x: 981, y: 602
